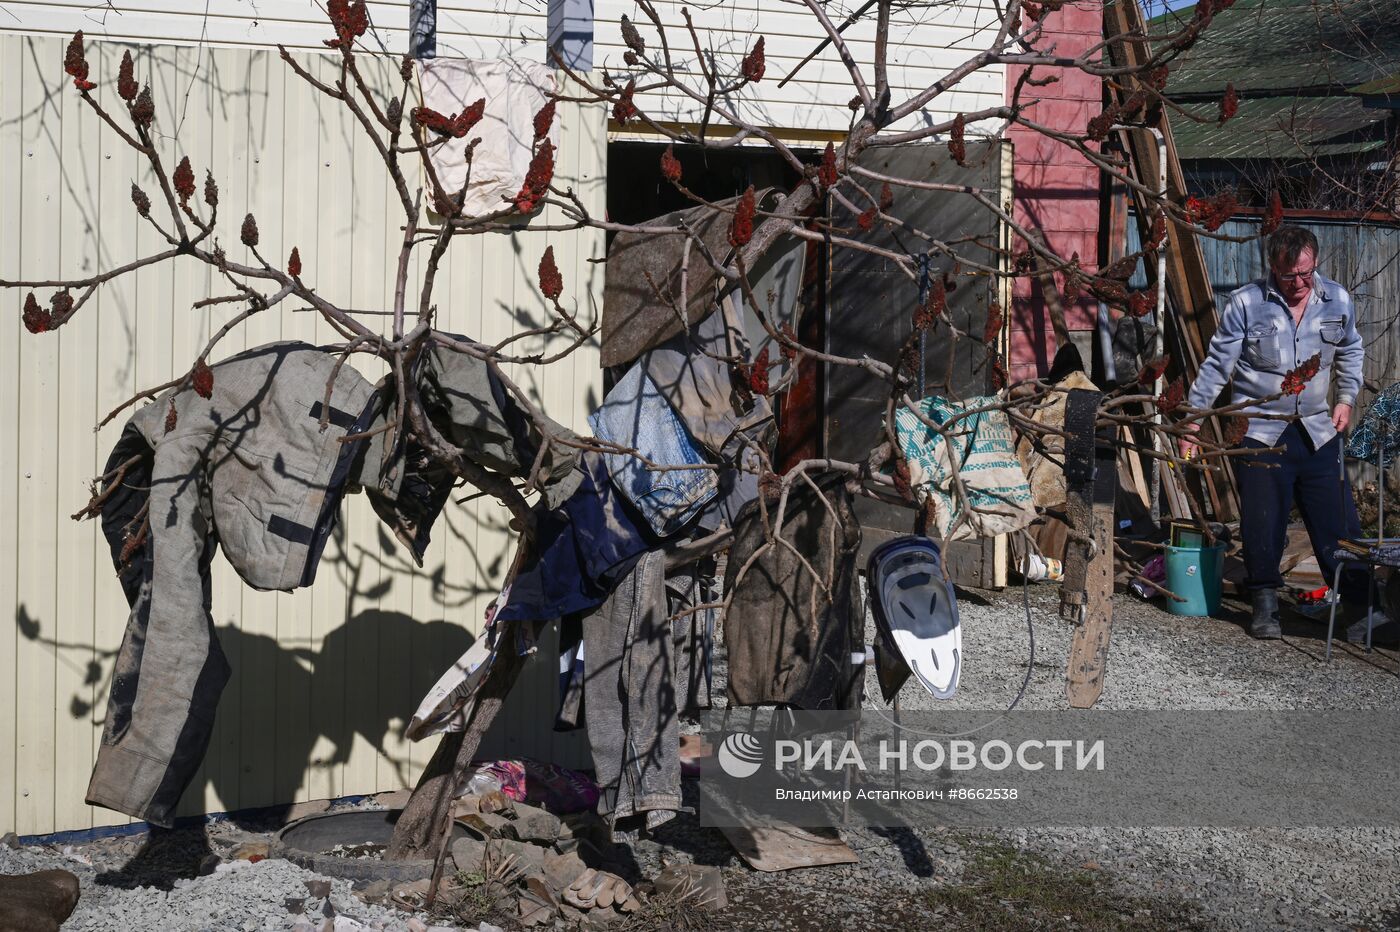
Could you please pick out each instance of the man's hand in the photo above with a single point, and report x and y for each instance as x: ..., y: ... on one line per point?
x: 1341, y: 417
x: 1188, y: 443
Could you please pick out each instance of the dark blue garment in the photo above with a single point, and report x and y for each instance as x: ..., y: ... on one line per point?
x: 583, y: 550
x: 1271, y: 484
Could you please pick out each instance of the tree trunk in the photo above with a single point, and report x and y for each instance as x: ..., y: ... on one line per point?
x: 419, y: 832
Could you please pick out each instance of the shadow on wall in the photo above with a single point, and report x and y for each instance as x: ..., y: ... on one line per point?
x: 313, y: 696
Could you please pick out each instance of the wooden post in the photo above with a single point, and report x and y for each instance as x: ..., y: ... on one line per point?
x: 1088, y: 651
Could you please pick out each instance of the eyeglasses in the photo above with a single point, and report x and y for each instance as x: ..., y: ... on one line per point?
x: 1296, y: 276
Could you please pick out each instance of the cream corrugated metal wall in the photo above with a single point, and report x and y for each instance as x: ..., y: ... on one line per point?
x: 324, y: 677
x: 926, y: 41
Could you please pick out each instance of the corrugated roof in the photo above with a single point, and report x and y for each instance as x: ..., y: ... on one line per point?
x: 1280, y: 128
x: 1282, y: 45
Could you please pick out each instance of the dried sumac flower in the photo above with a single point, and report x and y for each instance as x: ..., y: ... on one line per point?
x: 1159, y: 231
x: 249, y: 233
x: 202, y: 378
x: 670, y: 165
x: 758, y: 374
x: 429, y: 118
x: 62, y: 304
x: 632, y: 37
x: 394, y: 112
x: 1100, y: 125
x: 1023, y: 262
x: 1152, y: 370
x: 183, y: 180
x: 551, y: 280
x: 957, y: 145
x: 1069, y: 295
x: 1235, y: 429
x: 1229, y: 104
x: 992, y: 332
x: 171, y: 418
x: 350, y: 19
x: 1211, y: 213
x: 933, y: 307
x: 866, y: 220
x: 1142, y: 303
x: 770, y: 484
x: 1273, y: 215
x: 211, y: 189
x: 827, y: 175
x: 75, y: 63
x: 406, y: 68
x: 36, y: 319
x: 544, y: 119
x: 999, y: 378
x: 1157, y: 78
x: 753, y: 65
x: 789, y: 345
x: 294, y: 263
x: 623, y: 108
x: 142, y: 202
x: 1172, y: 397
x: 143, y: 111
x: 741, y: 228
x: 1297, y: 380
x: 464, y: 121
x: 886, y: 196
x: 537, y: 179
x: 630, y: 58
x: 900, y: 475
x: 126, y: 79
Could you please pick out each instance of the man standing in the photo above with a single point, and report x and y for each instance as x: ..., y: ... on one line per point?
x: 1269, y: 328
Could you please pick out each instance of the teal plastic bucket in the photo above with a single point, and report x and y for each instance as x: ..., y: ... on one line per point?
x: 1194, y: 573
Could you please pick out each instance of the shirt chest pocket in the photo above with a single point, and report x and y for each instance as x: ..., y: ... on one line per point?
x: 1261, y: 348
x: 1332, y: 332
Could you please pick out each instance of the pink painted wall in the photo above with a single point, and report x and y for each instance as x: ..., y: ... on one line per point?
x: 1057, y: 190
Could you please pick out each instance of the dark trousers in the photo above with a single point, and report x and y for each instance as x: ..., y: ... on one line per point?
x: 1271, y: 484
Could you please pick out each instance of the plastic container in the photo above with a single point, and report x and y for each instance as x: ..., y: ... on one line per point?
x: 1195, y: 574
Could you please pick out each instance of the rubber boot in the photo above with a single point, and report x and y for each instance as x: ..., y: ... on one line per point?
x: 1264, y: 624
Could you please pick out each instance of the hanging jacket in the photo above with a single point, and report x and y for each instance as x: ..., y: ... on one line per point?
x: 248, y: 469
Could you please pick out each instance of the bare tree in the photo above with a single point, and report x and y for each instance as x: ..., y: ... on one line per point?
x: 667, y: 58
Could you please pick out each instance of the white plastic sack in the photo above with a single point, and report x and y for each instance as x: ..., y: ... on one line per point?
x: 514, y: 91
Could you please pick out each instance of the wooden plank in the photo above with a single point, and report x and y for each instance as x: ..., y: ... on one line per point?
x: 1188, y: 280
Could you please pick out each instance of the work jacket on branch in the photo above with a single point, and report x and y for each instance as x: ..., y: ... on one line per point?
x: 248, y: 468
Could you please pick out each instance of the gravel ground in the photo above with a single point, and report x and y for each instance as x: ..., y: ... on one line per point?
x: 1004, y: 879
x: 122, y: 887
x: 1219, y: 878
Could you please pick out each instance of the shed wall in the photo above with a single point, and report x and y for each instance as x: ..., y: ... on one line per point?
x: 324, y: 678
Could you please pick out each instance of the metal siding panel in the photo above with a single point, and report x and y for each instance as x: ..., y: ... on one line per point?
x: 12, y: 155
x: 41, y: 256
x: 257, y: 642
x: 296, y: 612
x: 330, y: 595
x: 76, y: 390
x: 112, y: 326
